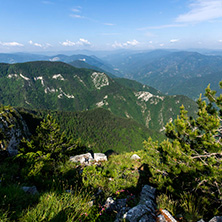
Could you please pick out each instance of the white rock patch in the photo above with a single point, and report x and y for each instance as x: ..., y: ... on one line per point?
x: 40, y: 78
x: 145, y: 96
x: 58, y: 76
x: 25, y: 78
x: 12, y: 76
x: 103, y: 102
x: 80, y: 80
x: 52, y: 90
x: 64, y: 94
x: 100, y: 80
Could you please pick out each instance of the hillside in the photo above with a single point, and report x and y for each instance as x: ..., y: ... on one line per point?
x: 85, y: 65
x: 98, y: 129
x: 91, y: 61
x: 171, y: 72
x: 59, y: 86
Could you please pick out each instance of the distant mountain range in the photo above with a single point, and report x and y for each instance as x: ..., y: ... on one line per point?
x: 81, y: 61
x: 186, y: 73
x: 170, y: 71
x: 60, y: 86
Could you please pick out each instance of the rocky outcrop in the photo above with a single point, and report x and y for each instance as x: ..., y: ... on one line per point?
x: 83, y: 158
x: 88, y: 158
x: 12, y: 129
x: 135, y: 157
x: 100, y: 157
x: 145, y: 210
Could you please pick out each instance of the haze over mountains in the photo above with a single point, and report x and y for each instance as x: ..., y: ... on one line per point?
x: 170, y: 71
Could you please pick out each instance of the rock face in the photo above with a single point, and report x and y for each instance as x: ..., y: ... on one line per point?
x: 83, y: 158
x: 12, y: 128
x: 87, y: 158
x: 145, y: 210
x: 100, y: 157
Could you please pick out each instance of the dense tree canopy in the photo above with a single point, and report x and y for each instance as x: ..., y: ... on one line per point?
x: 190, y: 159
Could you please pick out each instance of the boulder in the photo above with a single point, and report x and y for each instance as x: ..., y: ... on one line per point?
x: 135, y: 157
x: 216, y: 219
x: 136, y: 213
x: 31, y: 190
x: 83, y: 158
x: 100, y: 157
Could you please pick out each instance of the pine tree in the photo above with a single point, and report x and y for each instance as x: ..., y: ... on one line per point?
x: 41, y: 155
x: 190, y: 160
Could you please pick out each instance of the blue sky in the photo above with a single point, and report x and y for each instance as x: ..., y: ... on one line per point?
x: 53, y: 25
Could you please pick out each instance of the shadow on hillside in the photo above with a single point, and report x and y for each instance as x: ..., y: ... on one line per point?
x: 145, y: 173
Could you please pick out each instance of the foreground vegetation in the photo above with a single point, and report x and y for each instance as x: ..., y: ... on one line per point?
x: 186, y: 170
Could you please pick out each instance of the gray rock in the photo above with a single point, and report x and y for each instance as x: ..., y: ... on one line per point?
x: 137, y: 212
x: 135, y: 157
x: 147, y: 218
x: 120, y: 214
x: 31, y: 190
x: 14, y: 129
x: 147, y: 193
x: 83, y: 158
x: 120, y: 203
x: 216, y: 219
x: 100, y: 157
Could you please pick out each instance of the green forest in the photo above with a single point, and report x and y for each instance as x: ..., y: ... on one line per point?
x: 184, y: 165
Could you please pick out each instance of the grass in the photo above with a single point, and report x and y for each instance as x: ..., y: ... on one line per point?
x: 59, y: 207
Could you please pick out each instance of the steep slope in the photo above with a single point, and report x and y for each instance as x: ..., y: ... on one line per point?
x: 99, y: 129
x: 59, y: 86
x: 197, y: 85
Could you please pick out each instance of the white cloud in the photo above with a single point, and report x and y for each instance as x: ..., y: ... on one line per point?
x: 151, y: 42
x: 220, y: 40
x: 133, y: 43
x: 202, y: 10
x: 126, y: 44
x: 117, y: 45
x: 68, y: 43
x: 11, y: 44
x: 77, y: 16
x: 162, y: 26
x: 81, y: 42
x: 161, y: 45
x: 174, y: 40
x: 35, y: 44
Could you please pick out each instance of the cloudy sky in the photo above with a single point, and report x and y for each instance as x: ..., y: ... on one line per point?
x: 47, y: 25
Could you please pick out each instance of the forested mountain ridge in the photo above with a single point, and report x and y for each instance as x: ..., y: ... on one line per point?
x: 59, y: 86
x: 171, y: 72
x: 85, y: 59
x: 99, y: 129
